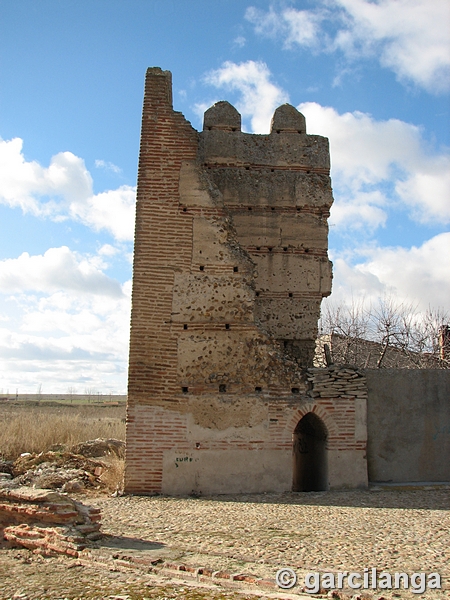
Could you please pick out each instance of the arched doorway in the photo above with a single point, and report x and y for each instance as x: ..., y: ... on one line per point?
x: 310, y: 455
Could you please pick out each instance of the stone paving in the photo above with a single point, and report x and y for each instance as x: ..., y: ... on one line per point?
x: 392, y: 530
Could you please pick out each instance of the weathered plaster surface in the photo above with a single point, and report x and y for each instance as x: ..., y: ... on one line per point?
x: 408, y: 423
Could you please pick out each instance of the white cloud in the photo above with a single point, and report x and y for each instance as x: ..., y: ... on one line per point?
x: 108, y: 166
x: 80, y: 346
x: 259, y: 96
x: 108, y: 250
x: 64, y: 321
x: 24, y: 183
x: 72, y: 330
x: 269, y: 24
x: 303, y: 27
x: 424, y: 277
x: 239, y: 41
x: 113, y: 210
x: 427, y: 189
x: 410, y: 37
x: 373, y: 161
x: 300, y: 27
x: 363, y: 147
x: 62, y: 190
x: 57, y: 269
x: 359, y: 212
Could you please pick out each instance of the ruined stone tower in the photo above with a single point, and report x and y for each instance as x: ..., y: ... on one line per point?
x: 230, y: 268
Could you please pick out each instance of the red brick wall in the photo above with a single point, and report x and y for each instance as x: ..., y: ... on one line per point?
x: 163, y: 240
x: 156, y: 430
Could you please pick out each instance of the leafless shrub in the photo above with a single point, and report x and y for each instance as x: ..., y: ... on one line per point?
x: 389, y: 334
x: 112, y: 478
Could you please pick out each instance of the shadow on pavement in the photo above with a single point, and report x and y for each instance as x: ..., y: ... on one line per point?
x: 128, y: 543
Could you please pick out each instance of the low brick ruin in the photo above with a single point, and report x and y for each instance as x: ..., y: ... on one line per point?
x: 47, y: 522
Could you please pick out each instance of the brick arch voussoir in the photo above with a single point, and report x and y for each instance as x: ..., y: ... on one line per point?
x: 318, y: 410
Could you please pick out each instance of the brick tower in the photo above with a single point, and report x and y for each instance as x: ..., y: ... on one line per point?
x: 230, y: 267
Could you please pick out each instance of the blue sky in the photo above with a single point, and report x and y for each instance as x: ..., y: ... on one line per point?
x: 374, y: 77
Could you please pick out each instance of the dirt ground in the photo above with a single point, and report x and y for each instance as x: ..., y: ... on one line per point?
x: 147, y: 539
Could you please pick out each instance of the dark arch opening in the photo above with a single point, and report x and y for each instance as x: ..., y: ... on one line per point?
x: 310, y: 455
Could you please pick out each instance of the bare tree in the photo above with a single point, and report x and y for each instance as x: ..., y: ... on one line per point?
x: 391, y: 328
x: 89, y: 392
x: 39, y: 392
x: 71, y: 391
x: 430, y: 341
x: 389, y: 334
x: 344, y: 327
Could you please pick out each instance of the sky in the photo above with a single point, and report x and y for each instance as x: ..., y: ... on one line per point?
x: 372, y: 76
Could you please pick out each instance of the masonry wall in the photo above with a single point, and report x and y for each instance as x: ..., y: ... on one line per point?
x: 230, y: 268
x: 408, y: 422
x: 163, y: 242
x: 230, y: 445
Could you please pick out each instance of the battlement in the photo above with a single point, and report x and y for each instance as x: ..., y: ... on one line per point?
x: 287, y: 147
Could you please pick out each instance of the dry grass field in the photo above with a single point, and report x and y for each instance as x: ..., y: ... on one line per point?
x: 32, y: 427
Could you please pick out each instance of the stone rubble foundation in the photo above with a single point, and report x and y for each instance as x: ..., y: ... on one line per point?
x: 336, y: 382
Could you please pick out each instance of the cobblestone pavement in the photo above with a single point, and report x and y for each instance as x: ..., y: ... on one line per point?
x: 393, y: 531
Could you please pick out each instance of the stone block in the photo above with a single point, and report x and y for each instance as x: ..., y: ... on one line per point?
x: 207, y: 298
x: 288, y: 318
x: 303, y: 230
x: 310, y: 152
x: 285, y: 272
